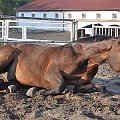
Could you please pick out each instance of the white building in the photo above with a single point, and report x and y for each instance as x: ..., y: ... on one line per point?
x: 86, y: 12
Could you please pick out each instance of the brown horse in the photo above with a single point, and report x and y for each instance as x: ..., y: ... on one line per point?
x: 53, y: 68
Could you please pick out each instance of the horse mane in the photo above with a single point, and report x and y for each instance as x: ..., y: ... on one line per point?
x: 90, y: 39
x: 95, y: 38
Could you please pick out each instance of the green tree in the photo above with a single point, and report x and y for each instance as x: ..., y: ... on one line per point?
x: 21, y: 2
x: 8, y: 7
x: 1, y: 8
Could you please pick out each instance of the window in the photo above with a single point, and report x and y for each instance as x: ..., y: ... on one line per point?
x: 83, y: 15
x: 114, y: 16
x: 22, y: 15
x: 33, y: 15
x: 56, y: 15
x: 98, y: 16
x: 44, y: 15
x: 69, y: 15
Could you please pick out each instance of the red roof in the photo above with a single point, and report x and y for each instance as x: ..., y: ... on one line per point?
x: 75, y: 5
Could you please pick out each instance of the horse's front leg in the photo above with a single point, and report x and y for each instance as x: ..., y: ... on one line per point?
x: 54, y: 83
x: 89, y: 88
x: 84, y: 84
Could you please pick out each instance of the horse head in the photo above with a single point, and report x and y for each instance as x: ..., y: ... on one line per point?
x: 114, y: 57
x: 98, y: 52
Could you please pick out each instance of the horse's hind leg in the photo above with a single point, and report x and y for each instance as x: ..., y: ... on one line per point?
x: 7, y: 54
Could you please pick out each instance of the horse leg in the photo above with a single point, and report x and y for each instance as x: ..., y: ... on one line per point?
x: 89, y: 88
x: 54, y: 83
x: 7, y: 55
x: 85, y: 88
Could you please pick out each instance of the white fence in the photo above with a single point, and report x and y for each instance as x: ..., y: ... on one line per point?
x: 33, y: 30
x: 1, y: 29
x: 21, y: 29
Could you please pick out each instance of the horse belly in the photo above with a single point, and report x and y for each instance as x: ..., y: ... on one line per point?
x: 27, y: 77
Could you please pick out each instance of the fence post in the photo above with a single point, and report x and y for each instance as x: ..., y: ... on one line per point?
x: 6, y: 30
x: 24, y: 33
x: 3, y: 29
x: 71, y: 30
x: 93, y: 30
x: 111, y: 31
x: 74, y: 30
x: 116, y: 32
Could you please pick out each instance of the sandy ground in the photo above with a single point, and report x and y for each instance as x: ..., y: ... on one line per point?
x: 92, y: 106
x: 43, y: 35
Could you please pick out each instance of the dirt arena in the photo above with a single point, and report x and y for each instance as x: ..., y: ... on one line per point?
x: 42, y: 35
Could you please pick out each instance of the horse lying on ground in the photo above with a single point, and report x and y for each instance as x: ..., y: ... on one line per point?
x: 53, y: 68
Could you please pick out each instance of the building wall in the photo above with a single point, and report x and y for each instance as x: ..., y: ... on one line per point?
x: 105, y: 15
x: 85, y: 17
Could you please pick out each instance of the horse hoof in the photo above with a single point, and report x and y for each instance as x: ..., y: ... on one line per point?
x: 101, y: 88
x: 1, y: 82
x: 31, y: 92
x: 12, y: 89
x: 69, y: 88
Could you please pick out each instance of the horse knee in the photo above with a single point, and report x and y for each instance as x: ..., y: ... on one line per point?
x: 59, y: 87
x: 55, y: 82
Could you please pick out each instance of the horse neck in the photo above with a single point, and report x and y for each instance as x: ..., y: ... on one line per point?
x: 99, y: 48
